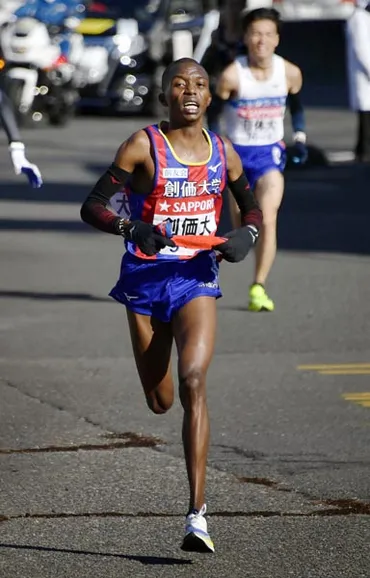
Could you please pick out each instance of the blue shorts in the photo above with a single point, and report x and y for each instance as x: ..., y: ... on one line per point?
x: 161, y: 288
x: 259, y: 160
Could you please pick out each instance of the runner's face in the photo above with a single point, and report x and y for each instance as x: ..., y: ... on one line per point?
x: 261, y: 39
x: 188, y: 95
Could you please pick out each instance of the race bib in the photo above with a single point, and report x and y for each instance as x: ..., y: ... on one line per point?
x: 187, y: 217
x: 262, y: 129
x: 262, y: 119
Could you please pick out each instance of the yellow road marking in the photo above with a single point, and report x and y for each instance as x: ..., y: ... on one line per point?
x: 361, y: 398
x: 328, y: 366
x: 362, y: 395
x: 337, y: 368
x: 345, y: 372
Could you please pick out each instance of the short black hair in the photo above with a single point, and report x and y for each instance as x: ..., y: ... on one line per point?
x: 170, y: 70
x: 261, y: 14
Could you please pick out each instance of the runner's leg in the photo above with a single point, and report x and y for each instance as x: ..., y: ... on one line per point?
x: 152, y: 343
x: 194, y: 328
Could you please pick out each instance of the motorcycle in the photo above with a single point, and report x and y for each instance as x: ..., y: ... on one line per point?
x: 127, y: 47
x: 117, y: 72
x: 114, y: 71
x: 38, y: 77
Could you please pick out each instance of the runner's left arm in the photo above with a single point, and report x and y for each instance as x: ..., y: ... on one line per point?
x: 294, y: 102
x: 238, y: 185
x: 240, y: 240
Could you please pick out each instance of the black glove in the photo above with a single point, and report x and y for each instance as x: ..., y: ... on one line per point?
x: 146, y: 236
x: 299, y: 153
x: 239, y: 243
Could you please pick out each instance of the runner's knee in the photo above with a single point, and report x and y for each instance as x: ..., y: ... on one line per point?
x: 269, y: 218
x: 191, y: 387
x: 159, y: 404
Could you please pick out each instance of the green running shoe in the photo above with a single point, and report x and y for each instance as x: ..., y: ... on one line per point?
x: 259, y: 300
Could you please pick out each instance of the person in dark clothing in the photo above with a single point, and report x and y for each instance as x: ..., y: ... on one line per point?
x: 16, y: 146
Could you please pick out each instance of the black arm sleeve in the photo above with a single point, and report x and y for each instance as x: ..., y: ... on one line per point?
x: 94, y: 209
x: 297, y: 112
x: 250, y: 211
x: 8, y: 119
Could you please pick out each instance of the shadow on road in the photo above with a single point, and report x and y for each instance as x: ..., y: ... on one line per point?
x: 146, y: 560
x: 49, y: 193
x: 52, y: 296
x: 325, y: 209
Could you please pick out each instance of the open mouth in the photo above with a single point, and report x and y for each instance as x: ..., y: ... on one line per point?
x: 191, y: 106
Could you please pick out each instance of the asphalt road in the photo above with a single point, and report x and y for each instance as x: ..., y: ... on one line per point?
x: 92, y: 484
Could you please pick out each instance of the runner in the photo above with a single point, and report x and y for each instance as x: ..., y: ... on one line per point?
x: 174, y: 175
x: 255, y: 89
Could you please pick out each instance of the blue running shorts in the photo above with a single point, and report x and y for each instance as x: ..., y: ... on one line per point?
x: 160, y: 288
x: 259, y: 160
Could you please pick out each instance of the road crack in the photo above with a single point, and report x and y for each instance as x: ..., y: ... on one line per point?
x: 51, y: 405
x: 340, y: 508
x: 129, y: 440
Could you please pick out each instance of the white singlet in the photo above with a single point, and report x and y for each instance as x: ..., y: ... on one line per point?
x: 256, y: 116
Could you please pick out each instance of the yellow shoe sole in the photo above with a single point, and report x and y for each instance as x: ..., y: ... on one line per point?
x: 265, y: 305
x: 194, y: 543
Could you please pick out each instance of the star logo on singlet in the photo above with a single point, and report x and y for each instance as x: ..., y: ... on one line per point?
x: 164, y: 206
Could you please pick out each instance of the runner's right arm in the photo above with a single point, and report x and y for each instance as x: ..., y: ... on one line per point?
x: 94, y: 211
x: 226, y: 86
x: 132, y: 153
x: 241, y: 239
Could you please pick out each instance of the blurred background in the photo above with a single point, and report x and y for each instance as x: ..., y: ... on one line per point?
x: 62, y: 58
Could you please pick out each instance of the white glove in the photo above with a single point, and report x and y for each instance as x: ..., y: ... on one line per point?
x: 22, y: 165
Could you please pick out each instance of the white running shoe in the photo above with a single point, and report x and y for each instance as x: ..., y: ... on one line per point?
x: 197, y: 538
